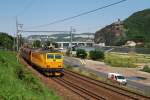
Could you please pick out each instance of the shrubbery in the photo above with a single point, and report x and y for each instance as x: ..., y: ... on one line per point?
x: 81, y: 53
x: 146, y: 68
x: 96, y: 54
x: 37, y: 44
x: 6, y: 41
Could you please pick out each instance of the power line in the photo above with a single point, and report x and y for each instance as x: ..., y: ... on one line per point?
x: 26, y: 7
x: 48, y: 31
x: 81, y: 14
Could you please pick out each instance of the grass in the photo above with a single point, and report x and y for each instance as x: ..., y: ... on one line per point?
x: 17, y: 82
x: 130, y: 60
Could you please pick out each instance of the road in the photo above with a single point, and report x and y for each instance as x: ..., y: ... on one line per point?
x: 75, y: 62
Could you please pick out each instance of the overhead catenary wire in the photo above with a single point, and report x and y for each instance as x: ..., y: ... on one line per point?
x: 29, y: 4
x: 81, y: 14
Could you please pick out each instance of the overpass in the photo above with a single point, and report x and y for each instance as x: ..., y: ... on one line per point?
x: 77, y: 43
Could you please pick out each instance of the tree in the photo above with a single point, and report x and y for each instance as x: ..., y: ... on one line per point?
x: 55, y: 45
x: 37, y: 44
x: 96, y: 54
x: 48, y: 43
x: 81, y: 53
x: 6, y: 41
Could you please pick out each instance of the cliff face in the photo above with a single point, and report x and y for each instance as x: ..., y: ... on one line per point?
x: 110, y: 34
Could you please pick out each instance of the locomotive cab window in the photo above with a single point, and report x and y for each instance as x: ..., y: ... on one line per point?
x: 50, y: 56
x: 58, y: 56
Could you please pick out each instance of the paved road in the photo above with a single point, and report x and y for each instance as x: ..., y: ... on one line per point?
x: 132, y: 84
x: 72, y: 61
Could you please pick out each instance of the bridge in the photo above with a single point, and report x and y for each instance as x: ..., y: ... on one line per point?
x: 77, y: 43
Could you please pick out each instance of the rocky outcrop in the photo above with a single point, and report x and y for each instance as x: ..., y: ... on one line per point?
x: 110, y: 34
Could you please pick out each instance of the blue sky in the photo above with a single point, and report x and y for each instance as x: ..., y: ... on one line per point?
x: 37, y: 12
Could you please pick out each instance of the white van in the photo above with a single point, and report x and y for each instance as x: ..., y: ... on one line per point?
x: 117, y: 77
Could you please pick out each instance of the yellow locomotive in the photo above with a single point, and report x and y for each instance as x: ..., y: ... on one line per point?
x: 47, y: 62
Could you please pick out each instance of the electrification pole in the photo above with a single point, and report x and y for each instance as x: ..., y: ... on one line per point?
x: 17, y: 33
x: 71, y: 36
x: 71, y: 40
x: 14, y: 47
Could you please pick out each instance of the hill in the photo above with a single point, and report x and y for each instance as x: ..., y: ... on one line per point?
x: 138, y: 27
x: 135, y: 28
x: 111, y: 34
x: 62, y: 37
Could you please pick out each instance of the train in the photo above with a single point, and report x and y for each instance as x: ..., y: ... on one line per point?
x: 48, y: 62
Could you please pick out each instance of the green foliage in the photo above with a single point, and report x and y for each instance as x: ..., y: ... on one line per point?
x: 146, y: 68
x: 137, y: 26
x: 81, y: 53
x: 96, y: 54
x: 37, y: 44
x: 17, y: 82
x: 55, y: 44
x: 48, y: 43
x: 121, y: 42
x: 125, y: 60
x: 122, y: 60
x: 6, y: 41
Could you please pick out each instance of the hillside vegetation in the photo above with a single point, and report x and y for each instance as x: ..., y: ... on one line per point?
x: 138, y: 27
x: 135, y: 28
x: 17, y: 82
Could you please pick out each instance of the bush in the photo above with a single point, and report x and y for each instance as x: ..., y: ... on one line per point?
x: 6, y: 41
x: 146, y: 69
x: 81, y: 53
x: 36, y: 44
x: 96, y: 54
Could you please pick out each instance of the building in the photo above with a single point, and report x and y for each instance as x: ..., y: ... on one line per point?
x: 130, y: 44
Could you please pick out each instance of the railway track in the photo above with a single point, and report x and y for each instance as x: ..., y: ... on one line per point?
x: 83, y: 92
x: 106, y: 90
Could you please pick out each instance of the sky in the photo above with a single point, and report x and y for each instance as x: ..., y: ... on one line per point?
x: 38, y: 12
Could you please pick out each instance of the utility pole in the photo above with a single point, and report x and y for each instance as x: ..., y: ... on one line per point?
x: 14, y: 43
x: 71, y: 40
x: 18, y: 30
x: 17, y: 34
x: 71, y: 36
